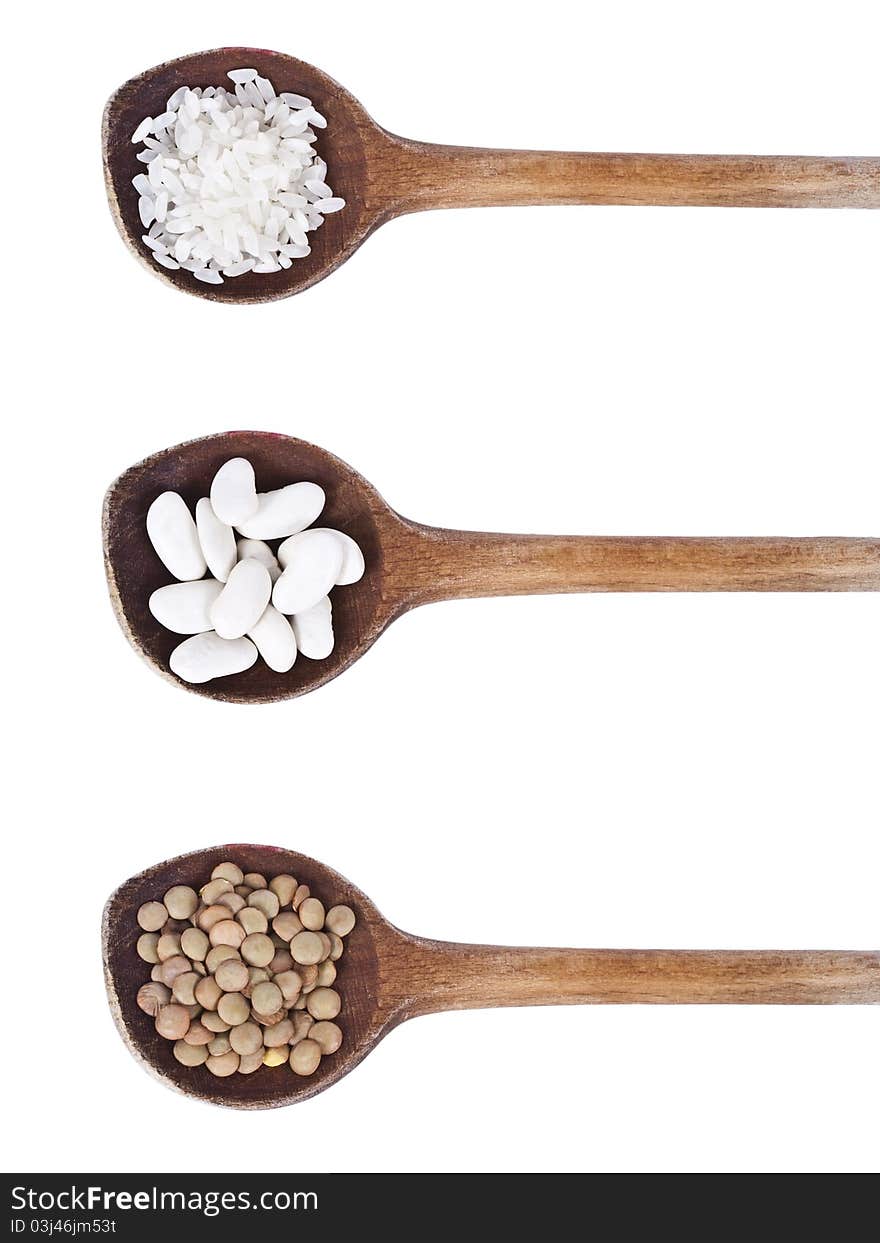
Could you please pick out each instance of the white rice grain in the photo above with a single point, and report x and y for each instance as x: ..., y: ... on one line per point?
x: 145, y: 127
x: 146, y: 211
x: 154, y: 245
x: 238, y: 269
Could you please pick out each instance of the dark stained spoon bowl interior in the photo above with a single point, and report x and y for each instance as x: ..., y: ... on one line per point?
x: 125, y: 972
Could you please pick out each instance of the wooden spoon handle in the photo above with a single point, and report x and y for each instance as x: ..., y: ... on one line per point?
x: 426, y: 176
x: 445, y: 565
x: 462, y: 977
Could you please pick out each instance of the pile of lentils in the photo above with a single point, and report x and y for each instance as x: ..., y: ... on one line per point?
x: 243, y: 972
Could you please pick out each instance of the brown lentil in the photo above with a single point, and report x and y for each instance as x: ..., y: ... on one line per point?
x: 232, y: 975
x: 147, y: 947
x: 304, y: 1057
x: 257, y: 949
x: 228, y: 871
x: 213, y: 1022
x: 227, y: 932
x: 181, y: 901
x: 190, y: 1054
x: 233, y: 1009
x: 311, y: 912
x: 252, y: 920
x: 172, y: 1022
x: 266, y: 997
x: 168, y: 946
x: 194, y: 944
x: 327, y: 1035
x: 197, y: 1034
x: 208, y: 992
x: 225, y: 1064
x: 284, y: 887
x: 152, y: 997
x: 220, y: 953
x: 151, y: 916
x: 266, y: 901
x: 211, y: 915
x: 306, y: 948
x: 211, y: 892
x: 183, y: 986
x: 340, y: 919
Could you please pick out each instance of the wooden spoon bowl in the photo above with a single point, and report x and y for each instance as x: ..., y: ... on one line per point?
x: 408, y: 564
x: 387, y: 976
x: 344, y: 145
x: 124, y: 971
x: 360, y: 611
x: 381, y: 175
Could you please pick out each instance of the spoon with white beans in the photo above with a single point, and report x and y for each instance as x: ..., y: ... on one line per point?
x: 268, y: 174
x: 381, y: 977
x: 371, y: 564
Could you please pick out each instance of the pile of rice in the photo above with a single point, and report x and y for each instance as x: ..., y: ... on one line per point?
x: 233, y: 183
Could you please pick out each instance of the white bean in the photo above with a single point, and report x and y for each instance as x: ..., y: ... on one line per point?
x: 173, y: 535
x: 207, y: 656
x: 217, y: 540
x: 314, y: 559
x: 352, y: 558
x: 261, y: 552
x: 284, y: 512
x: 314, y: 630
x: 273, y: 635
x: 234, y: 492
x: 243, y: 600
x: 184, y: 608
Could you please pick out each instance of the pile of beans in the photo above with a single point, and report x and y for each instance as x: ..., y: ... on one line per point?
x: 236, y: 596
x: 243, y: 972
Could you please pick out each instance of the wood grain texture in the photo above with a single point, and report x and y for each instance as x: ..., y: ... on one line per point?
x: 387, y: 976
x: 453, y: 977
x: 456, y: 564
x: 438, y: 176
x: 408, y: 564
x: 381, y: 175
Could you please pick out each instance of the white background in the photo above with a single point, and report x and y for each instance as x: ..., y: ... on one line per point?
x: 625, y: 771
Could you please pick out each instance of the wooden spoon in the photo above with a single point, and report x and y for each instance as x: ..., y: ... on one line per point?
x: 409, y: 564
x: 386, y: 976
x: 381, y: 176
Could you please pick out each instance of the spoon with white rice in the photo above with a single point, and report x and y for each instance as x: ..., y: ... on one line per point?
x: 307, y: 175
